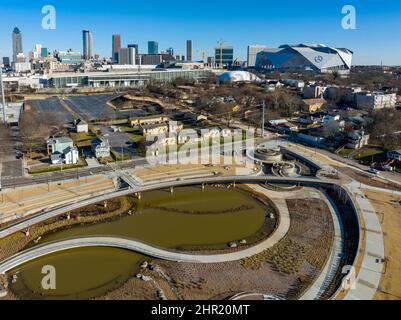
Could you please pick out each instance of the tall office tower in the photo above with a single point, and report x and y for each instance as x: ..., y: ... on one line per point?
x: 253, y: 51
x: 189, y: 50
x: 224, y: 56
x: 87, y: 44
x: 170, y: 51
x: 127, y: 56
x: 116, y: 48
x: 153, y: 47
x: 38, y: 51
x: 44, y: 53
x: 17, y: 43
x: 6, y: 62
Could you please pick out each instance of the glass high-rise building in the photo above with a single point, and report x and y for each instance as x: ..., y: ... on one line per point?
x: 153, y: 47
x: 6, y: 62
x: 87, y: 44
x: 17, y: 43
x: 224, y: 56
x: 116, y: 46
x: 44, y: 52
x: 189, y: 50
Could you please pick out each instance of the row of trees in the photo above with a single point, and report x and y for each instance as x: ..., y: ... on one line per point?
x: 279, y: 103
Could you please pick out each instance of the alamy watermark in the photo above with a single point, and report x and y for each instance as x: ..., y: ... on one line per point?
x: 349, y: 20
x: 49, y: 280
x: 49, y: 20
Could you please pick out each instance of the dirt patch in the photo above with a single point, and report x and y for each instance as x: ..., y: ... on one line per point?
x: 389, y: 214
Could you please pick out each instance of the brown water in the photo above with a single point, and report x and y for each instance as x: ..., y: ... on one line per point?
x: 189, y: 218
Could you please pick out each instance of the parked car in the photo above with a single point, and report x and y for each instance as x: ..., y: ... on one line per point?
x: 374, y: 171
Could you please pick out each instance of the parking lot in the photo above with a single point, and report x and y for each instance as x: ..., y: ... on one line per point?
x: 121, y: 142
x: 94, y: 107
x: 51, y: 111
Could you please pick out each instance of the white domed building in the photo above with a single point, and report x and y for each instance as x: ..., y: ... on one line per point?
x: 238, y: 76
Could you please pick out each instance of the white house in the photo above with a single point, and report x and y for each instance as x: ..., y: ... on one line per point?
x: 100, y: 148
x: 357, y: 139
x: 62, y: 150
x: 81, y: 126
x: 71, y: 156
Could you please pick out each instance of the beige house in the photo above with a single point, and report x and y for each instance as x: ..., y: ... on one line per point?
x: 313, y: 105
x: 175, y: 127
x: 151, y: 120
x: 154, y: 129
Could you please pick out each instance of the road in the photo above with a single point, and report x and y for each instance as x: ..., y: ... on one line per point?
x: 390, y: 176
x: 58, y: 176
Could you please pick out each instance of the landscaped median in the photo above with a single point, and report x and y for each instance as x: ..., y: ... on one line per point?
x: 58, y: 167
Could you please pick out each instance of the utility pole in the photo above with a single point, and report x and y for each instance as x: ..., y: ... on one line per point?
x: 221, y: 43
x: 3, y: 97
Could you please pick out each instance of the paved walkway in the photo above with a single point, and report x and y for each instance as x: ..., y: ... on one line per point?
x: 368, y: 278
x: 16, y: 204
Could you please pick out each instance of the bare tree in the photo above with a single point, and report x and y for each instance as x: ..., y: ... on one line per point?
x: 33, y: 134
x: 5, y: 140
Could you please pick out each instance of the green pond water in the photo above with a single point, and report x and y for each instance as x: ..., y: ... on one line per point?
x: 190, y: 218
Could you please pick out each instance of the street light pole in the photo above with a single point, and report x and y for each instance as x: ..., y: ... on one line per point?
x: 3, y: 97
x: 263, y: 119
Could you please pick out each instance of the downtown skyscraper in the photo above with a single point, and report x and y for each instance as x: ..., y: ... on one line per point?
x: 153, y: 47
x: 17, y: 43
x: 189, y: 50
x: 116, y: 47
x: 87, y: 44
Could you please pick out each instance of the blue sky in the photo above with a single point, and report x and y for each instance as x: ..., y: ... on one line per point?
x: 239, y: 23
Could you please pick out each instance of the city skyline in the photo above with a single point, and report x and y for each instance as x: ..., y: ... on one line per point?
x: 297, y: 24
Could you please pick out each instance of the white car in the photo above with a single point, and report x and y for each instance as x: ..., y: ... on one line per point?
x: 373, y: 171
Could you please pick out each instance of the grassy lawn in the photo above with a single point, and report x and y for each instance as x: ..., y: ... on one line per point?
x: 137, y: 137
x: 371, y: 154
x: 345, y: 152
x: 126, y: 128
x: 58, y: 167
x: 82, y: 136
x: 119, y: 157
